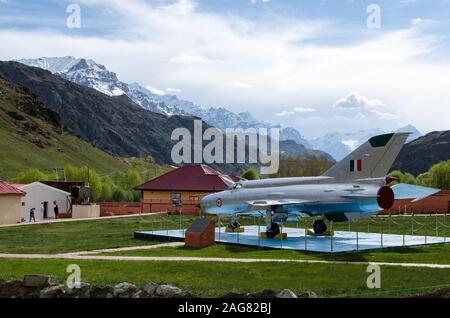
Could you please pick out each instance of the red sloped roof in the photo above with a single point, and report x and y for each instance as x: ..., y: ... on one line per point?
x: 189, y: 178
x: 6, y: 188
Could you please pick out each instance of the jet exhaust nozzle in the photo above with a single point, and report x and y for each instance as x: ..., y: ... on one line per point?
x: 385, y: 197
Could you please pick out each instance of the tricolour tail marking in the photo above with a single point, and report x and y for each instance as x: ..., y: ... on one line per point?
x: 373, y: 159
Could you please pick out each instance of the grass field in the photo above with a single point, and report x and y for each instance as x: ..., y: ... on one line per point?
x: 435, y: 254
x: 217, y: 279
x: 66, y: 237
x: 214, y: 278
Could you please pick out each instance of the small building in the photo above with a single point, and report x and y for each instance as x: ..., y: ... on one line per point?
x: 10, y: 203
x: 437, y: 203
x: 41, y: 197
x: 186, y: 185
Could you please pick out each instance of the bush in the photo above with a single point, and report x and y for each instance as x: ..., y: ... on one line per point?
x: 250, y: 174
x: 407, y: 178
x: 439, y: 175
x: 30, y: 176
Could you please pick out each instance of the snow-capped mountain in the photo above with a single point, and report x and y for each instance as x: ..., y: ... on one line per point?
x: 340, y: 145
x: 91, y: 74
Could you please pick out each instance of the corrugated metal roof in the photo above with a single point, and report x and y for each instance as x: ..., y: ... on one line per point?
x: 189, y: 178
x: 6, y: 188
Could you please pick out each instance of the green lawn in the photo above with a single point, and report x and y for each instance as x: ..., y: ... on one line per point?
x: 213, y: 279
x: 76, y: 236
x: 434, y: 254
x: 217, y: 279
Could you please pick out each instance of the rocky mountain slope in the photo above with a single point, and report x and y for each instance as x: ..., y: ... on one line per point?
x: 32, y: 136
x: 91, y: 74
x: 419, y: 155
x: 114, y: 124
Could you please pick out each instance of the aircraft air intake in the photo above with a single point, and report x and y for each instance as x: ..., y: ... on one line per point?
x: 385, y: 197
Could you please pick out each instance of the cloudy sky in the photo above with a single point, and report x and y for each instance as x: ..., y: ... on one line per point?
x: 313, y: 65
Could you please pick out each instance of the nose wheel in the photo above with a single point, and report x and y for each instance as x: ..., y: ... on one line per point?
x: 319, y: 227
x: 234, y: 223
x: 273, y: 231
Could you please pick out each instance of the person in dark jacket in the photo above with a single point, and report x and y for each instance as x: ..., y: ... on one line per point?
x: 55, y: 209
x: 32, y: 211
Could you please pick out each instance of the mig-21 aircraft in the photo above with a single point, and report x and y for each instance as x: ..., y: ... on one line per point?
x: 353, y: 188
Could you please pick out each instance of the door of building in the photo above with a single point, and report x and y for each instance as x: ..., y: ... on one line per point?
x: 45, y: 216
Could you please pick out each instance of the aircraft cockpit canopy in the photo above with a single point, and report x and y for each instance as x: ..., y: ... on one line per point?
x: 236, y: 186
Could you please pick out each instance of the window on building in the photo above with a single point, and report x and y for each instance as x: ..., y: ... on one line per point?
x: 194, y: 198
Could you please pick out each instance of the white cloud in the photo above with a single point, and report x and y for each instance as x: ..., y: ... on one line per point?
x: 285, y: 113
x: 421, y: 21
x: 192, y: 59
x: 173, y: 90
x: 362, y: 104
x: 238, y: 84
x: 355, y: 101
x: 256, y: 1
x: 155, y: 90
x: 304, y: 110
x: 181, y: 7
x: 286, y: 62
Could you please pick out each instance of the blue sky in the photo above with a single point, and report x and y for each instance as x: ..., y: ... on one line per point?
x: 288, y: 61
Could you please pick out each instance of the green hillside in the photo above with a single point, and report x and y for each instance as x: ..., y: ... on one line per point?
x: 32, y: 137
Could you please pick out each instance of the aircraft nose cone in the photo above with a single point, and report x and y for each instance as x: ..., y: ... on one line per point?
x: 207, y: 202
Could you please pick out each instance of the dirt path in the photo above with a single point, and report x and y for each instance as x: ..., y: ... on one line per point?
x: 209, y: 259
x: 48, y: 221
x: 125, y: 249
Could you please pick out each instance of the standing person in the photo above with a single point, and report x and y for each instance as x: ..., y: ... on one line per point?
x: 32, y: 215
x: 56, y: 209
x: 43, y: 210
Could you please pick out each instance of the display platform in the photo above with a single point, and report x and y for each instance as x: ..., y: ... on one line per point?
x: 342, y: 241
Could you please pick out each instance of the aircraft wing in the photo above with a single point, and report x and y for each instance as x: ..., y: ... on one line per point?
x: 409, y: 191
x: 264, y: 204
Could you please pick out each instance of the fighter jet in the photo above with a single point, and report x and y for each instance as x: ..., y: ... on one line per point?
x: 355, y: 187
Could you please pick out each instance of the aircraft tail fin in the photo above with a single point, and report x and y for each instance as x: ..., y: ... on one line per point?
x: 373, y: 159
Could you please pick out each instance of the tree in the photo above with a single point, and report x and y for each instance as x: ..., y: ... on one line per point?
x: 86, y: 175
x: 118, y: 195
x: 299, y: 166
x: 403, y: 177
x: 129, y: 180
x: 440, y: 175
x: 31, y: 175
x: 250, y: 174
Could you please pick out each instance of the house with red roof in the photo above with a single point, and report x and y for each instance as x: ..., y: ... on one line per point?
x: 182, y: 189
x: 10, y: 204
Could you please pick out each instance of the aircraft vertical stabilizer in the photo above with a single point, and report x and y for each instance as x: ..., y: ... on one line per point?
x: 373, y: 159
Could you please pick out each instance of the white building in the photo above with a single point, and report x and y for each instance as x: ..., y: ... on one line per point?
x: 41, y: 197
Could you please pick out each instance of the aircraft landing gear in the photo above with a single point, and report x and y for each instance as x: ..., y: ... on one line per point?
x: 234, y: 224
x: 273, y: 231
x: 272, y: 228
x: 320, y: 227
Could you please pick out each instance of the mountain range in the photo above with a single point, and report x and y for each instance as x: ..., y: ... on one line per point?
x: 33, y: 137
x: 419, y: 155
x: 115, y: 124
x: 89, y: 73
x: 339, y: 145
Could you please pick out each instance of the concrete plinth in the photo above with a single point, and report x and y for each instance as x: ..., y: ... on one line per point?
x: 85, y: 211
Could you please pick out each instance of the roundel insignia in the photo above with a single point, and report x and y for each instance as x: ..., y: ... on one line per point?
x: 219, y: 202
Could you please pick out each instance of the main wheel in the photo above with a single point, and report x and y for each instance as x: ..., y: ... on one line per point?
x: 273, y: 231
x: 320, y: 227
x: 234, y: 225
